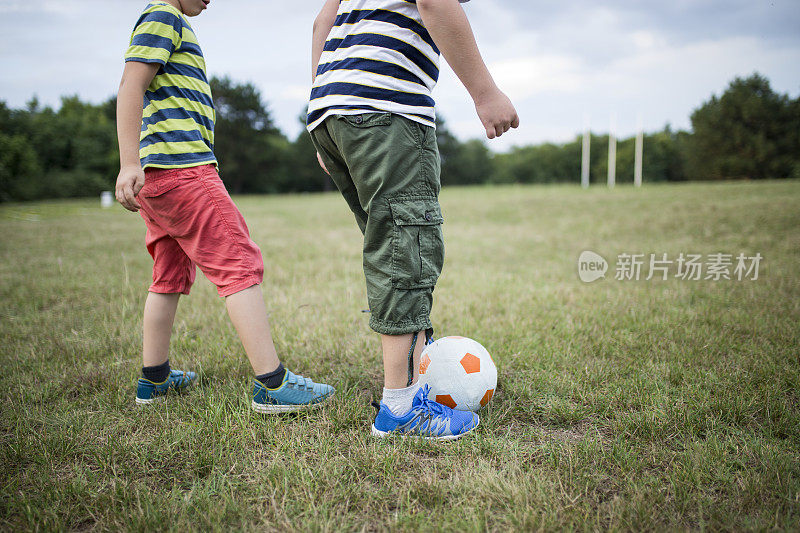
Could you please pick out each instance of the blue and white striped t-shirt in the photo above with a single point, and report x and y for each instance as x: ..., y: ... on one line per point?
x: 378, y: 58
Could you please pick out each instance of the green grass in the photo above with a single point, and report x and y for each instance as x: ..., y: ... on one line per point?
x: 621, y: 405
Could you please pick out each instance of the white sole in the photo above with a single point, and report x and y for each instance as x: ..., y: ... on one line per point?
x: 269, y: 409
x: 386, y: 434
x: 142, y: 401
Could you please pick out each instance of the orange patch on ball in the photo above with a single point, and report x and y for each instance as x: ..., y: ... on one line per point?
x: 487, y: 397
x: 471, y: 363
x: 446, y: 399
x: 424, y: 364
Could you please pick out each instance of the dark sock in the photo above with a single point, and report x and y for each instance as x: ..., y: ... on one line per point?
x: 158, y: 373
x: 273, y: 380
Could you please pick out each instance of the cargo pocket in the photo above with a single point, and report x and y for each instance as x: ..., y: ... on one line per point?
x: 418, y: 246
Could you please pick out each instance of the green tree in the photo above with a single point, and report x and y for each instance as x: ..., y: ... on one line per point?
x: 449, y: 151
x: 544, y: 163
x: 19, y: 169
x: 474, y: 165
x: 305, y: 174
x: 749, y: 132
x: 665, y: 156
x: 74, y: 148
x: 796, y: 114
x: 252, y: 152
x: 462, y: 163
x: 664, y: 159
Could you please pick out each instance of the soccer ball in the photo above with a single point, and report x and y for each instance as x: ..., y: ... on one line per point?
x: 460, y: 373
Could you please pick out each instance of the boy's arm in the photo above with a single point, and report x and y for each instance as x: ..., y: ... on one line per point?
x: 322, y: 27
x: 135, y: 79
x: 448, y: 25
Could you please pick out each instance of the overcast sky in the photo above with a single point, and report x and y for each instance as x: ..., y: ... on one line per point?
x: 559, y: 61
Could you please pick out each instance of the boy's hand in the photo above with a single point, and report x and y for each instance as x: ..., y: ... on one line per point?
x: 129, y: 182
x: 497, y: 114
x: 450, y: 29
x: 322, y: 164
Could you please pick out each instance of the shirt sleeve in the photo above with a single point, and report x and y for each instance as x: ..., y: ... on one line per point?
x: 155, y: 37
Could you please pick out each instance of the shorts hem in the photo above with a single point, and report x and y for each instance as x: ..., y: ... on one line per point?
x: 239, y: 286
x: 170, y: 289
x: 403, y: 327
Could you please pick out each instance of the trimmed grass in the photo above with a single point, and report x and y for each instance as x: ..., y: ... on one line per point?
x: 621, y: 405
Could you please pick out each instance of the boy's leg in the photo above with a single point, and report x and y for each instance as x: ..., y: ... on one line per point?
x: 395, y: 347
x: 275, y: 389
x: 398, y: 393
x: 249, y: 316
x: 212, y: 232
x: 394, y: 164
x: 390, y: 173
x: 159, y: 315
x: 395, y: 359
x: 173, y: 275
x: 218, y: 241
x: 215, y: 239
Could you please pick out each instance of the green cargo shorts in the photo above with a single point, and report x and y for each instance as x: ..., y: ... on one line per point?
x: 387, y: 168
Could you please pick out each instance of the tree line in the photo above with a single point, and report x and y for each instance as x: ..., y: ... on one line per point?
x: 748, y: 132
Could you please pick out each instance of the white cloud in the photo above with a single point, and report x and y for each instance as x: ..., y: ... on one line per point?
x: 646, y: 40
x: 298, y: 93
x: 524, y: 77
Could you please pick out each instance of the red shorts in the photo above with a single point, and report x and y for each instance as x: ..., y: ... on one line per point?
x: 191, y: 220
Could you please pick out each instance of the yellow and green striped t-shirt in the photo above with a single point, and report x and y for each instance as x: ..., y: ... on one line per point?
x: 178, y: 118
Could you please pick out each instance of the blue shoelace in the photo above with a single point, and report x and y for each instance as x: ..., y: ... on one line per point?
x: 429, y: 405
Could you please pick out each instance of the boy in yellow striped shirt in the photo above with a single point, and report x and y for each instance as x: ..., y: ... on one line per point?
x: 168, y: 173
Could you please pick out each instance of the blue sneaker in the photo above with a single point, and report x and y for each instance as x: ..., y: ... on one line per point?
x: 294, y: 394
x: 147, y: 391
x: 426, y: 420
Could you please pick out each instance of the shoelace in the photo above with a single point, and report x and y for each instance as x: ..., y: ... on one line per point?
x: 429, y: 405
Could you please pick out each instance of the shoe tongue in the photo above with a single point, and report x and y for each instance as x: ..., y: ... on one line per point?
x: 420, y: 396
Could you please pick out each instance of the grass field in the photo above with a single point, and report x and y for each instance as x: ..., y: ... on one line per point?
x: 624, y: 405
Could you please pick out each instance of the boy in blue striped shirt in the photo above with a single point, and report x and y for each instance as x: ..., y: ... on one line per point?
x: 371, y: 117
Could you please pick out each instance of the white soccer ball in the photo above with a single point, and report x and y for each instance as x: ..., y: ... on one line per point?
x: 460, y: 373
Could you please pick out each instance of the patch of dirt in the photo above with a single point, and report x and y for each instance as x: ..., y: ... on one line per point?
x: 576, y: 432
